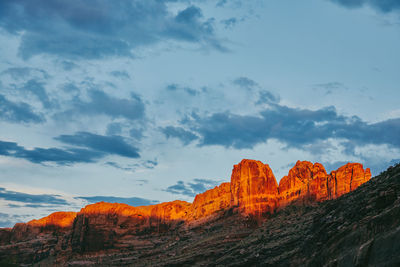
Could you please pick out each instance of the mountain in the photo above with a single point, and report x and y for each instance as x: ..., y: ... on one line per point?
x: 311, y: 218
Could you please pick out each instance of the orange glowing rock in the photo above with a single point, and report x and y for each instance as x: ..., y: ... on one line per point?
x: 307, y: 181
x: 175, y: 210
x: 347, y: 178
x: 212, y: 200
x: 304, y: 181
x: 254, y: 188
x: 169, y: 211
x: 58, y: 219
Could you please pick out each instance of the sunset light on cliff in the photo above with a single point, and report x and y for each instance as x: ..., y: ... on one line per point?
x: 199, y: 132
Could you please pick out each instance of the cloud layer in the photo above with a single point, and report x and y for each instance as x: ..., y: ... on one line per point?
x: 31, y: 198
x: 381, y: 5
x: 294, y: 127
x: 86, y: 148
x: 99, y: 28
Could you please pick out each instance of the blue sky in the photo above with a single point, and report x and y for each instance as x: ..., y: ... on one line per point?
x: 147, y: 101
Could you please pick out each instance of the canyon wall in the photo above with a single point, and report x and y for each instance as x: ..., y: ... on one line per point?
x: 253, y: 190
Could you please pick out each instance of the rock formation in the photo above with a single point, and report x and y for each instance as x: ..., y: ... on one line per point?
x: 307, y: 181
x: 254, y: 188
x: 346, y: 179
x: 59, y: 219
x: 252, y: 193
x: 304, y: 181
x: 207, y: 203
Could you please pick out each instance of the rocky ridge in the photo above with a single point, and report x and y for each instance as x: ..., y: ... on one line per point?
x: 252, y: 193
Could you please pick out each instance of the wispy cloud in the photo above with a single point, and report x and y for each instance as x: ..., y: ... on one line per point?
x: 111, y: 145
x: 18, y: 112
x: 31, y: 198
x: 88, y: 148
x: 192, y: 188
x: 101, y: 103
x: 180, y: 133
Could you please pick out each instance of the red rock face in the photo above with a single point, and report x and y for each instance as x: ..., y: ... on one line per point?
x: 102, y: 225
x: 57, y: 219
x: 347, y: 178
x: 253, y: 191
x: 304, y: 181
x: 254, y: 188
x: 212, y: 200
x: 307, y: 181
x: 161, y: 213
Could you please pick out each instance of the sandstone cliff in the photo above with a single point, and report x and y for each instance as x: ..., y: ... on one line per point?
x: 252, y: 193
x: 254, y: 188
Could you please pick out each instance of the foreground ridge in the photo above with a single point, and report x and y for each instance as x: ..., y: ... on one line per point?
x: 253, y: 193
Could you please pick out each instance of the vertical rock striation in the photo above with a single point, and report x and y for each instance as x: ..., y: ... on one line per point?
x: 305, y: 181
x: 310, y: 182
x: 347, y: 178
x: 254, y: 188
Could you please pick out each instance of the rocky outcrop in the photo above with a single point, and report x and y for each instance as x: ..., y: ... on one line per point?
x: 310, y: 182
x: 254, y: 188
x: 211, y: 201
x: 59, y: 219
x: 252, y: 194
x: 104, y: 225
x: 346, y: 179
x: 305, y: 181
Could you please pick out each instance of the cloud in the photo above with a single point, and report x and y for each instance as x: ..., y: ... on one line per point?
x: 18, y: 112
x: 294, y: 127
x: 68, y: 65
x: 330, y: 87
x: 100, y: 103
x: 111, y: 145
x: 7, y: 220
x: 178, y: 132
x: 245, y: 83
x: 114, y: 128
x: 229, y: 23
x: 133, y: 201
x: 18, y: 73
x: 91, y: 148
x: 54, y: 155
x: 120, y: 74
x: 70, y: 88
x: 266, y: 97
x: 144, y: 164
x: 175, y: 88
x: 136, y: 133
x: 37, y: 89
x: 100, y: 28
x: 31, y: 198
x: 192, y: 188
x: 380, y: 5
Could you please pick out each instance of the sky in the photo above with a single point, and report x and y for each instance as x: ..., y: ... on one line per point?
x: 141, y: 102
